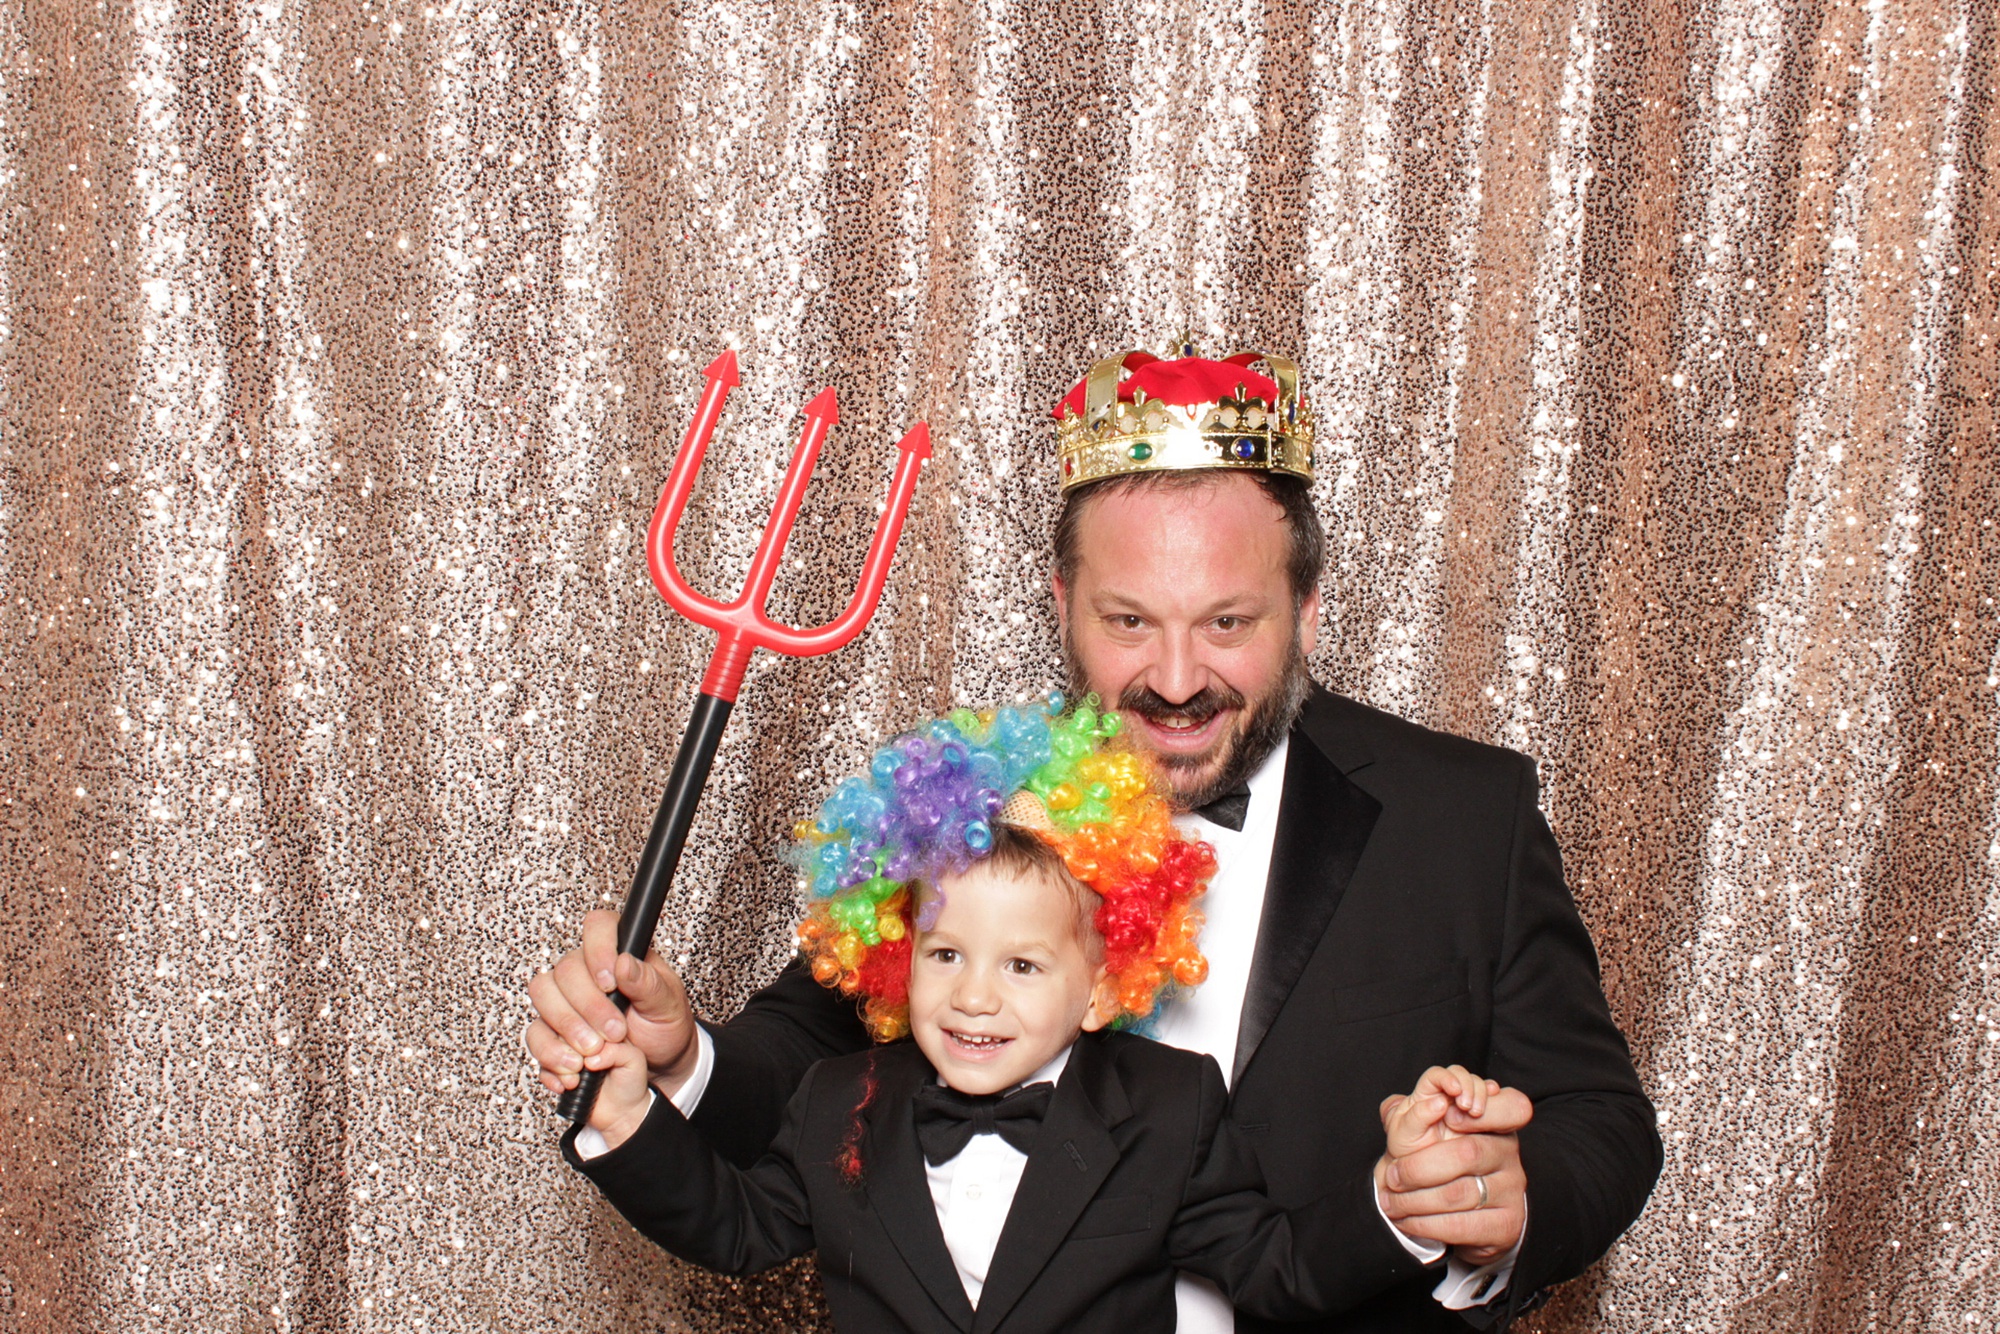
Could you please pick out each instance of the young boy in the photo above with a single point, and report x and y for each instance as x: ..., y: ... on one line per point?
x: 1008, y: 891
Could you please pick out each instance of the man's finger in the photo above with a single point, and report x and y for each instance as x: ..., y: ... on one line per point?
x: 1491, y: 1232
x: 555, y: 1056
x: 600, y: 946
x: 554, y: 1010
x: 553, y: 1078
x: 587, y: 999
x: 1458, y: 1196
x: 1447, y: 1160
x: 653, y: 987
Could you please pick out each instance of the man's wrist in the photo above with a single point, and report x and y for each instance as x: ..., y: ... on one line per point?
x: 686, y: 1080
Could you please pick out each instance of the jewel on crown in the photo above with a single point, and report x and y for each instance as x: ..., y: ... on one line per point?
x: 1135, y: 412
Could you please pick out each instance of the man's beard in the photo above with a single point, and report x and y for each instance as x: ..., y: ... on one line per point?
x: 1259, y: 728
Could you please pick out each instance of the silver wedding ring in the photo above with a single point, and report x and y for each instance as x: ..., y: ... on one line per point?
x: 1481, y: 1183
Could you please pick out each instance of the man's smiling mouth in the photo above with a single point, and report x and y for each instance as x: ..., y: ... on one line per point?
x: 1192, y: 719
x: 1176, y: 733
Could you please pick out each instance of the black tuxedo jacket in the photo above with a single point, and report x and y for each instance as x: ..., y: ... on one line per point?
x: 1415, y: 915
x: 1134, y: 1172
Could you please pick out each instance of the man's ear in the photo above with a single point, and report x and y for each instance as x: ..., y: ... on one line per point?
x: 1103, y: 1007
x: 1061, y: 595
x: 1308, y: 623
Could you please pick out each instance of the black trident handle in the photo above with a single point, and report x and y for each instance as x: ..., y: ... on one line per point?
x: 662, y: 853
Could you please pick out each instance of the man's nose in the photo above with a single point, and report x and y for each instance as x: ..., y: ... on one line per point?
x: 1178, y: 673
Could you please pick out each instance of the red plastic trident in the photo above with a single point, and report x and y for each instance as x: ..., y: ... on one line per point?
x: 744, y: 627
x: 742, y: 622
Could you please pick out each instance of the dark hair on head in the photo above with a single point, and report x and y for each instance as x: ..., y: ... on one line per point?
x: 1021, y: 852
x: 1303, y: 563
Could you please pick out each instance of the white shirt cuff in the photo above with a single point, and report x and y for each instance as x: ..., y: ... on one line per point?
x: 1426, y: 1252
x: 1463, y: 1285
x: 688, y: 1096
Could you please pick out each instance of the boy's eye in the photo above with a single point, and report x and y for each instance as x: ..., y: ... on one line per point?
x: 944, y: 955
x: 1022, y: 967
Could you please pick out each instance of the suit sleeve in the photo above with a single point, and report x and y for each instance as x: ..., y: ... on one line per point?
x: 679, y: 1192
x: 1592, y: 1152
x: 764, y: 1052
x: 1273, y: 1264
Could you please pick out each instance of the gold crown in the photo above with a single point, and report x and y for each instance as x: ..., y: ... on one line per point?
x: 1113, y: 437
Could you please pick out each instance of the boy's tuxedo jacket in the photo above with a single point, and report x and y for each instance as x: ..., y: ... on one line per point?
x: 1415, y: 915
x: 1133, y: 1171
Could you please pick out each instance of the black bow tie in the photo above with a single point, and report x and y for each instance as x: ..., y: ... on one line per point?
x: 1228, y: 809
x: 947, y: 1119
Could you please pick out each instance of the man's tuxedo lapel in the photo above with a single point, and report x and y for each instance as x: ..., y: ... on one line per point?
x: 899, y: 1190
x: 1073, y: 1154
x: 1323, y: 825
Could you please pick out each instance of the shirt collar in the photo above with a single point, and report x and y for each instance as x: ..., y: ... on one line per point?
x: 1266, y: 781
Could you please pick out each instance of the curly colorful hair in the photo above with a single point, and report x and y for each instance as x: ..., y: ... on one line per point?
x: 926, y: 809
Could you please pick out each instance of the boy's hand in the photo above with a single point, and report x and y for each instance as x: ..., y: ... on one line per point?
x: 1425, y: 1116
x: 575, y: 1017
x: 1452, y: 1174
x: 625, y: 1096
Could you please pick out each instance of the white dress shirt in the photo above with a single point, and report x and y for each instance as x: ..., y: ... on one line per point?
x: 1207, y: 1020
x: 974, y: 1191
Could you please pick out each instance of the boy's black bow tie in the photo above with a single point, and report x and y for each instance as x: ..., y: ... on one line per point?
x: 947, y: 1119
x: 1228, y: 809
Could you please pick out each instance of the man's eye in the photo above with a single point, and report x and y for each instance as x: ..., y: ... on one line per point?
x: 1127, y: 623
x: 1228, y: 624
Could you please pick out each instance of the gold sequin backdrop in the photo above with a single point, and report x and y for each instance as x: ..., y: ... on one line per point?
x: 346, y: 344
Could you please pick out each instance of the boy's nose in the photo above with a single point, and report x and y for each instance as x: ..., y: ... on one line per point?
x: 975, y: 994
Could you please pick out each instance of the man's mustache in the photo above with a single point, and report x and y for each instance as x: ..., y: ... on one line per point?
x: 1195, y: 710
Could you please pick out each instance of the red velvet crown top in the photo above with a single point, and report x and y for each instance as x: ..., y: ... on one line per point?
x: 1182, y: 382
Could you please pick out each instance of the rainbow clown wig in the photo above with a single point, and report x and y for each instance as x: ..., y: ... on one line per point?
x: 926, y: 809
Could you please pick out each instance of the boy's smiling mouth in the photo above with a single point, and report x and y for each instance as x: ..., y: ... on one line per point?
x: 976, y: 1044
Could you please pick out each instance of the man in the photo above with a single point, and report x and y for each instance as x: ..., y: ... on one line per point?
x: 1390, y: 898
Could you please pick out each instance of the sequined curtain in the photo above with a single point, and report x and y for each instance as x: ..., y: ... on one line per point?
x: 344, y: 346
